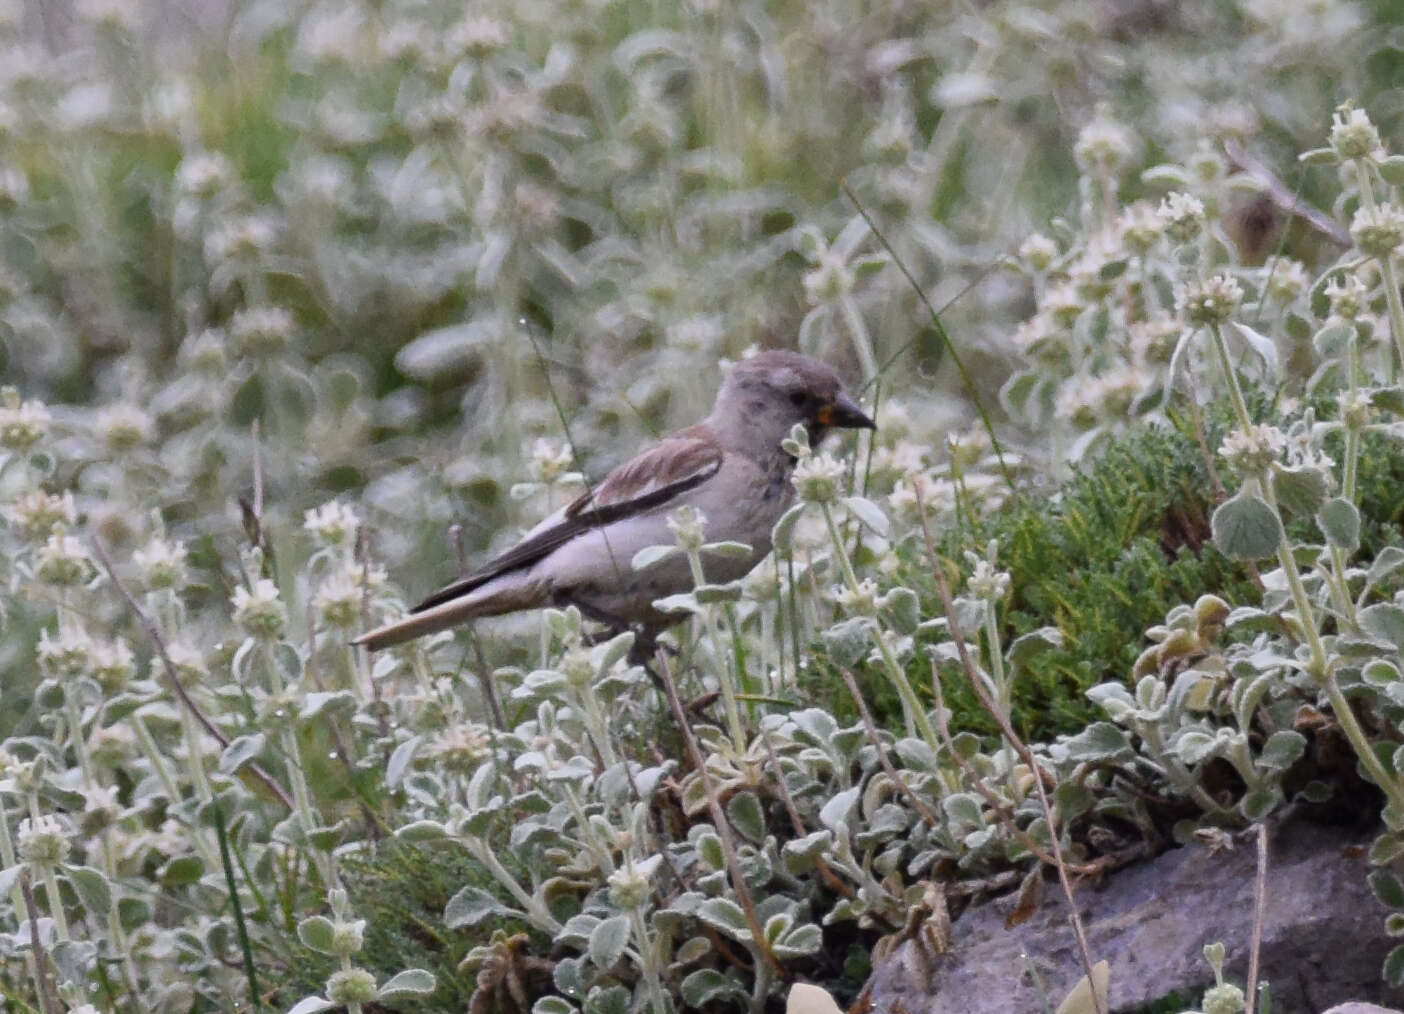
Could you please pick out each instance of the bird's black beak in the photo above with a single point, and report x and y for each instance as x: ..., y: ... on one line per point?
x: 843, y: 412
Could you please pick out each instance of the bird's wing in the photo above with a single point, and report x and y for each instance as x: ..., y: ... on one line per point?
x: 647, y: 481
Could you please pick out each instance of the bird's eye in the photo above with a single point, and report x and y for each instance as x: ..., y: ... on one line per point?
x: 799, y: 399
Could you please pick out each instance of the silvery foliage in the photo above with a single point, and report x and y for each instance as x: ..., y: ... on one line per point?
x: 454, y: 183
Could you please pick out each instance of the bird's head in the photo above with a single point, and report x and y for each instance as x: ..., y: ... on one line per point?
x: 774, y: 390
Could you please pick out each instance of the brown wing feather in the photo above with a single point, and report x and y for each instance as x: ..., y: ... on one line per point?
x: 648, y: 480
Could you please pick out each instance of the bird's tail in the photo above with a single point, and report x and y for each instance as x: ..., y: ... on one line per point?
x: 492, y: 599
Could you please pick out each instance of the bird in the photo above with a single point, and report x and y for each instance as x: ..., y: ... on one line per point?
x: 730, y: 468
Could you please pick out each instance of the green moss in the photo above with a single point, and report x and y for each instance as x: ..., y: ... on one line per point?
x: 401, y: 891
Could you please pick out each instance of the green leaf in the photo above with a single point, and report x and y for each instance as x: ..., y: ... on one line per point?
x: 836, y: 810
x: 1392, y: 169
x: 1340, y: 523
x: 317, y: 932
x: 312, y: 1005
x: 471, y: 906
x: 240, y: 751
x: 847, y: 642
x: 1385, y: 621
x: 1260, y: 343
x: 650, y: 555
x: 869, y: 513
x: 1386, y: 562
x: 553, y: 1005
x: 746, y: 815
x: 1331, y: 341
x: 181, y: 871
x: 706, y: 986
x: 798, y: 941
x: 1388, y: 399
x: 608, y: 940
x: 93, y: 889
x: 710, y: 594
x: 1256, y: 805
x: 1246, y: 528
x: 1100, y: 741
x: 1387, y: 888
x: 1168, y: 176
x: 1301, y: 491
x: 1393, y: 970
x: 1282, y: 749
x: 327, y: 705
x: 725, y: 916
x: 1319, y: 156
x: 1385, y: 849
x: 728, y: 550
x: 400, y: 759
x: 784, y: 530
x: 422, y: 830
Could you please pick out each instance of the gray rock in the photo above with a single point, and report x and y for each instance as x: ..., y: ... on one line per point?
x: 1360, y: 1008
x: 1323, y: 936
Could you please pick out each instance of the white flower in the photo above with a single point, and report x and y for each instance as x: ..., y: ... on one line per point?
x: 861, y: 601
x: 1182, y: 216
x: 332, y: 524
x: 338, y: 600
x: 987, y: 583
x: 124, y: 426
x: 1104, y: 147
x: 260, y: 611
x: 42, y: 842
x: 22, y: 423
x: 1379, y: 231
x: 1038, y: 252
x: 1353, y: 136
x: 1210, y: 302
x: 162, y: 563
x: 1347, y: 295
x: 203, y: 174
x: 689, y: 527
x: 65, y: 656
x: 63, y: 561
x: 819, y: 478
x: 186, y: 660
x: 1140, y: 225
x: 1252, y: 451
x: 112, y: 664
x: 550, y: 460
x: 35, y: 512
x: 261, y: 331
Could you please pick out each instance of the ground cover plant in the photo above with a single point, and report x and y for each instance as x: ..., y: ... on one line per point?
x: 293, y: 329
